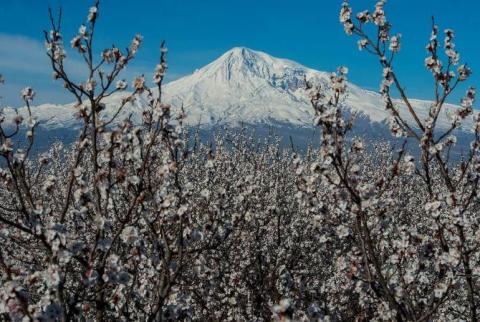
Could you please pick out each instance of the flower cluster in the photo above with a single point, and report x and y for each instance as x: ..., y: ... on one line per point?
x: 395, y: 43
x: 345, y: 18
x: 136, y: 42
x: 27, y: 94
x: 452, y: 54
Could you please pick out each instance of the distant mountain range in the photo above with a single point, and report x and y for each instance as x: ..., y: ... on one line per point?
x: 247, y: 87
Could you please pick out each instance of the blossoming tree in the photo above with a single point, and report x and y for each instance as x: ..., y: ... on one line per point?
x: 144, y: 222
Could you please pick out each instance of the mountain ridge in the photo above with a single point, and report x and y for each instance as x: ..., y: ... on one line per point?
x: 242, y: 86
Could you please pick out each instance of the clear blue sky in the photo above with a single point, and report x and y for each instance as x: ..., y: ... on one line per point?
x: 198, y: 31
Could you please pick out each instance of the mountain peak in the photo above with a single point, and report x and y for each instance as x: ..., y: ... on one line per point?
x: 245, y: 85
x: 242, y: 61
x: 249, y: 56
x: 240, y: 51
x: 241, y: 65
x: 246, y: 55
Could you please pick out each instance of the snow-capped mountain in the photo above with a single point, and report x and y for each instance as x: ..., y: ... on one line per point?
x: 242, y: 86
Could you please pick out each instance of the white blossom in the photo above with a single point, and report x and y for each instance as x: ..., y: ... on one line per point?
x: 27, y: 94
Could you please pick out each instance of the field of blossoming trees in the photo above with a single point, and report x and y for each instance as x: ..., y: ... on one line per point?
x: 139, y: 222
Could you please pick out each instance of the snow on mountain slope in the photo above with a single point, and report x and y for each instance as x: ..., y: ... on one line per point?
x: 245, y: 86
x: 242, y: 86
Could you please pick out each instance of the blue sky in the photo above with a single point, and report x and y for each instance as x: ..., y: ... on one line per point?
x: 198, y: 31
